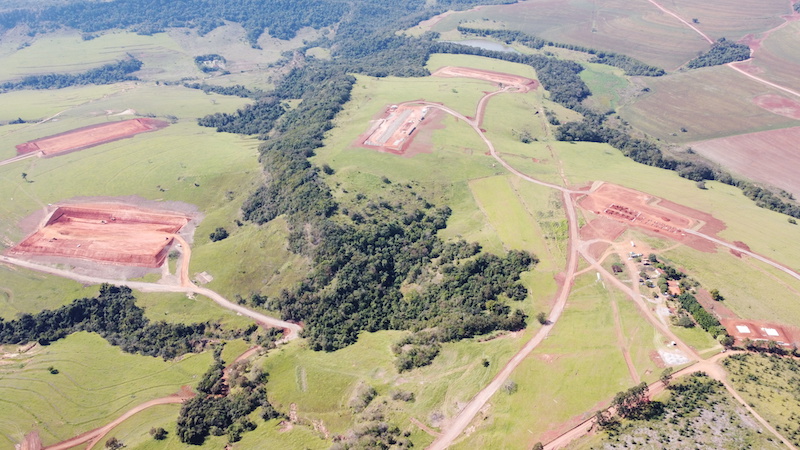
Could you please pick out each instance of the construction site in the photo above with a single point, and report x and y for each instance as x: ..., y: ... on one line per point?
x: 104, y: 232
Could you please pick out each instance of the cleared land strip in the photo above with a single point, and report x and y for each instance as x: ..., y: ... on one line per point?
x: 293, y: 330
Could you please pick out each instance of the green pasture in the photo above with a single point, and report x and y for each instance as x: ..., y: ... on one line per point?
x: 709, y: 103
x: 26, y: 291
x: 766, y: 232
x: 752, y: 289
x: 607, y: 84
x: 570, y: 375
x: 95, y: 384
x: 178, y: 308
x: 34, y: 106
x: 322, y: 384
x: 253, y: 259
x: 768, y: 384
x: 167, y: 56
x: 636, y: 29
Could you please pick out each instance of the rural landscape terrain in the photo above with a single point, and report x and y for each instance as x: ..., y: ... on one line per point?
x: 380, y: 225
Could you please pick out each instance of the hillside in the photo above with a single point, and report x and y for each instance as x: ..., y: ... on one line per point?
x: 376, y: 224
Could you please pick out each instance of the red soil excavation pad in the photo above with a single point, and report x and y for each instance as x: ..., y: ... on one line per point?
x: 398, y: 127
x: 761, y: 331
x: 90, y: 136
x: 105, y: 232
x: 651, y: 214
x: 505, y: 79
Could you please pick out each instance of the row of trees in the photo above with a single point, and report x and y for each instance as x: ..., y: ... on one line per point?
x: 236, y: 90
x: 106, y: 74
x: 631, y: 66
x: 593, y: 128
x: 114, y: 315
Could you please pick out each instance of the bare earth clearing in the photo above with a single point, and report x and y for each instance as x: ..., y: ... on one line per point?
x: 106, y: 232
x: 90, y: 136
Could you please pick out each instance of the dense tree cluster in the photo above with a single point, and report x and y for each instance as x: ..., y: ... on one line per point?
x: 220, y: 409
x: 114, y: 316
x: 257, y: 118
x: 106, y: 74
x: 722, y: 52
x: 631, y: 66
x: 236, y: 90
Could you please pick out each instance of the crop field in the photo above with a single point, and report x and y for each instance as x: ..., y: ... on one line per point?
x: 83, y: 394
x: 752, y: 289
x: 769, y: 384
x: 570, y: 374
x: 775, y: 162
x: 709, y: 103
x: 636, y: 29
x: 777, y: 57
x: 765, y: 232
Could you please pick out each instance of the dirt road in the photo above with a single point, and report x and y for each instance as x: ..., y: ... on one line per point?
x: 293, y: 330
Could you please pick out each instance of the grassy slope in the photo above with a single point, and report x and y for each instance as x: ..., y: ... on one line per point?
x: 571, y: 373
x: 96, y: 383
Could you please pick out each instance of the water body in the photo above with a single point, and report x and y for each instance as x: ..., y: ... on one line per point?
x: 486, y: 45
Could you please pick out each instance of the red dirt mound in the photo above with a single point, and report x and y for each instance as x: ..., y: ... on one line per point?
x: 522, y: 83
x: 402, y: 129
x: 105, y: 232
x: 90, y: 136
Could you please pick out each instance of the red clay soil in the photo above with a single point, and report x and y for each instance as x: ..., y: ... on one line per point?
x: 105, y: 232
x: 650, y: 214
x: 522, y: 83
x: 403, y: 129
x: 783, y: 334
x: 90, y: 136
x: 778, y: 104
x: 766, y: 156
x: 602, y: 228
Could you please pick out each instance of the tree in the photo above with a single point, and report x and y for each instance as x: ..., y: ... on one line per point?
x: 218, y: 234
x: 726, y: 340
x: 537, y: 446
x: 114, y: 444
x: 716, y: 295
x: 542, y: 318
x: 158, y: 434
x: 510, y: 387
x: 666, y: 376
x: 652, y: 258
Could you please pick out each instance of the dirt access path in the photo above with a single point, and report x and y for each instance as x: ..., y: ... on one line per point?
x: 733, y: 65
x: 576, y: 247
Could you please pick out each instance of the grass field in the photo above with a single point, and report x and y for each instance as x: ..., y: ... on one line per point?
x: 26, y: 291
x: 752, y: 289
x: 770, y: 385
x: 570, y: 375
x: 96, y: 383
x: 607, y: 84
x: 166, y: 56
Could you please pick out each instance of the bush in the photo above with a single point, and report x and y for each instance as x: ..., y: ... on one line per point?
x: 218, y: 234
x: 158, y: 434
